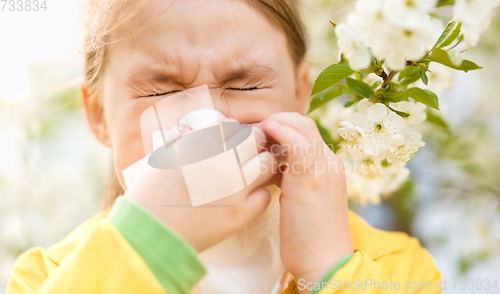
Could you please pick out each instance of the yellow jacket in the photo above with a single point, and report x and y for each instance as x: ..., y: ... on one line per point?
x: 97, y: 258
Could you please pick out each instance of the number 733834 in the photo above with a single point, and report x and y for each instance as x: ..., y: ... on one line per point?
x: 23, y: 5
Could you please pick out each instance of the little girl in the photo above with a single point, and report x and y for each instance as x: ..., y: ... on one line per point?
x: 250, y: 56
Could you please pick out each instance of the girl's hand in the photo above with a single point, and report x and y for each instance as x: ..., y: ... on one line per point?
x: 314, y: 223
x: 164, y: 193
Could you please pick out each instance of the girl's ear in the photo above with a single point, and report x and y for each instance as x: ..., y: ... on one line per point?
x: 95, y: 116
x: 303, y: 87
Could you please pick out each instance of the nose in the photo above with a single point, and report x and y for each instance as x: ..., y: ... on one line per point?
x: 220, y: 104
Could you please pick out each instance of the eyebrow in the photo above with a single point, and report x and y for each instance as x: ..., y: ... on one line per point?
x: 247, y: 72
x: 239, y: 73
x: 151, y: 74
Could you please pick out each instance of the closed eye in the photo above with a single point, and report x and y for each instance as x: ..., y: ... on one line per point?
x: 242, y: 89
x: 162, y: 93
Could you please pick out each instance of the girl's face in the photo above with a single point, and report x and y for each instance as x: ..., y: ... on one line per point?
x: 225, y: 44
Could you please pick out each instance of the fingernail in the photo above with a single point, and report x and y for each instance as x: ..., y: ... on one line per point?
x: 273, y: 124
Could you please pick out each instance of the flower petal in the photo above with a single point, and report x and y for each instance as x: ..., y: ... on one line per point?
x: 346, y: 124
x: 397, y: 140
x: 394, y: 123
x: 361, y: 120
x: 363, y: 105
x: 376, y: 112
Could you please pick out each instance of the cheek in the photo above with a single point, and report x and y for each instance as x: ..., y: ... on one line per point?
x: 123, y: 119
x: 127, y: 145
x: 256, y: 107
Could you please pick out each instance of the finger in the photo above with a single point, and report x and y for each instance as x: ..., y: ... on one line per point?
x: 246, y: 141
x: 255, y: 203
x: 279, y: 152
x: 290, y: 139
x: 259, y: 169
x: 303, y: 124
x: 260, y: 138
x: 235, y: 139
x: 163, y: 186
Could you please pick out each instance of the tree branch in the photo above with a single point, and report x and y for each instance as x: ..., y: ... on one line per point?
x: 388, y: 79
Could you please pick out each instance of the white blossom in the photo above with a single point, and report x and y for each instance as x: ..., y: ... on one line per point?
x: 378, y: 141
x: 379, y: 125
x: 399, y: 44
x: 369, y: 20
x: 395, y: 175
x: 409, y: 14
x: 395, y: 30
x: 436, y: 28
x: 368, y: 180
x: 363, y: 105
x: 352, y: 46
x: 350, y: 152
x: 353, y: 136
x: 365, y: 182
x: 475, y: 16
x: 371, y: 78
x: 416, y: 111
x: 335, y: 112
x: 403, y: 147
x: 472, y: 34
x: 472, y: 12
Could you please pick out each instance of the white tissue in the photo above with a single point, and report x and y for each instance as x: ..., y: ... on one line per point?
x: 196, y: 120
x: 247, y: 262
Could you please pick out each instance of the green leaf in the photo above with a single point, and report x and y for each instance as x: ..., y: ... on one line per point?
x: 409, y: 75
x: 322, y: 98
x: 325, y: 134
x: 455, y: 58
x: 400, y: 113
x: 412, y: 79
x: 330, y: 76
x: 423, y: 96
x: 389, y: 88
x: 437, y: 120
x: 409, y: 70
x: 423, y: 67
x: 398, y: 97
x: 449, y: 34
x: 445, y: 2
x: 434, y: 98
x: 423, y: 77
x: 360, y: 88
x: 343, y: 88
x: 348, y: 103
x: 441, y: 56
x: 376, y: 84
x: 365, y: 72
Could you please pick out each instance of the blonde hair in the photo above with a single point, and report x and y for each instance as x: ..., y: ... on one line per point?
x: 105, y: 18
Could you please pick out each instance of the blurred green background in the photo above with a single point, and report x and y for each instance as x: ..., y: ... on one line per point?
x: 52, y: 170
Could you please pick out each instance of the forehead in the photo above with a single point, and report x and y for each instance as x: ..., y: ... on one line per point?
x: 208, y: 34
